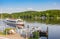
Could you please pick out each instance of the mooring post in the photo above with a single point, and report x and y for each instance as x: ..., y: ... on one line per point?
x: 47, y: 32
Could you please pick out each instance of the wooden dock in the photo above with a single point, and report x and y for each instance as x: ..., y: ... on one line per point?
x: 43, y: 33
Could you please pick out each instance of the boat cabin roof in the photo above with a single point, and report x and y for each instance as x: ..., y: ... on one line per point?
x: 14, y: 19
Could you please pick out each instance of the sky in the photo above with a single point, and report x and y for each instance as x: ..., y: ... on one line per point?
x: 10, y: 6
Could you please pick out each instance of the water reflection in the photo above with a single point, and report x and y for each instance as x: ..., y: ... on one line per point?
x: 43, y: 38
x: 53, y: 30
x: 46, y: 21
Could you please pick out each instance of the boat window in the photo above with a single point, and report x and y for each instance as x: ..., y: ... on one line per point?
x: 19, y: 21
x: 11, y: 21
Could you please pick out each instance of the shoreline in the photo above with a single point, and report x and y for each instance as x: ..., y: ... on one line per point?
x: 14, y: 36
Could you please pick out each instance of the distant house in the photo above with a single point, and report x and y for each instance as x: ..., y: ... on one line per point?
x: 43, y: 17
x: 51, y: 17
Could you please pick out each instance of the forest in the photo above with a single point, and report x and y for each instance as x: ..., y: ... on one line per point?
x: 48, y: 16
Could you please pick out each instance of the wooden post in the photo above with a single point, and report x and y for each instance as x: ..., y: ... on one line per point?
x: 47, y: 32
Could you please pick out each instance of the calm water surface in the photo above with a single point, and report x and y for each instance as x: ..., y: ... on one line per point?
x: 53, y: 30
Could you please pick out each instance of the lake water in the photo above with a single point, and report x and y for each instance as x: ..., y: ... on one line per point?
x: 53, y: 30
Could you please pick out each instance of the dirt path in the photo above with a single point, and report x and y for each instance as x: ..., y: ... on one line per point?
x: 15, y: 36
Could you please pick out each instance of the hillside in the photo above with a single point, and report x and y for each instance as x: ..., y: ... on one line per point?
x: 32, y: 14
x: 48, y: 16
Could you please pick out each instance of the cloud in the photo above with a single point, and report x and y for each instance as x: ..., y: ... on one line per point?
x: 29, y: 8
x: 10, y: 10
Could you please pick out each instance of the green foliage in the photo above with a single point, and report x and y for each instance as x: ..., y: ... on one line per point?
x: 7, y: 30
x: 35, y: 35
x: 53, y: 16
x: 32, y: 14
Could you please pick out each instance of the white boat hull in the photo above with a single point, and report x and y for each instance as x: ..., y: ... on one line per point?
x: 14, y: 24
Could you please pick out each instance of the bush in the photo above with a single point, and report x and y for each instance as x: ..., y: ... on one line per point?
x: 6, y: 31
x: 35, y: 35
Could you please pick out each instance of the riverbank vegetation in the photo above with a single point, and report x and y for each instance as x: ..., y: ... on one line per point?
x: 48, y: 16
x: 7, y: 31
x: 1, y: 33
x: 35, y: 35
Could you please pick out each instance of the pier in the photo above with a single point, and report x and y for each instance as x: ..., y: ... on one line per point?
x: 43, y: 33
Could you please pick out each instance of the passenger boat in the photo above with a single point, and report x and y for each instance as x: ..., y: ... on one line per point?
x: 15, y: 22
